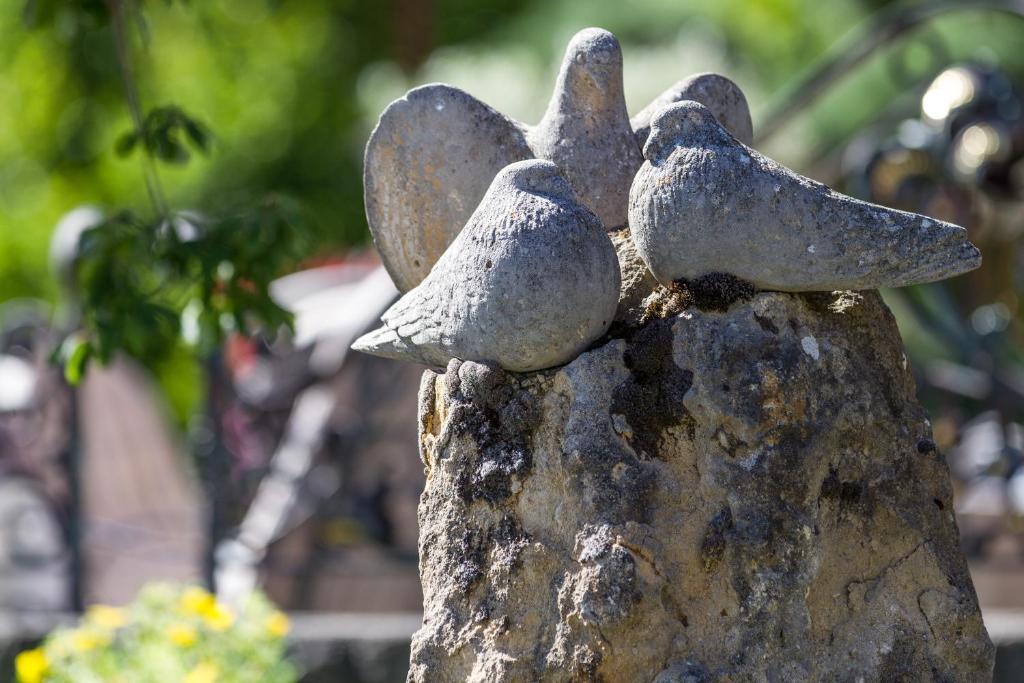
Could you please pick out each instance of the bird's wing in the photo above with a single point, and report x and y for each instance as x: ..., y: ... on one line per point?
x: 428, y: 163
x: 719, y: 94
x: 412, y: 330
x: 416, y: 317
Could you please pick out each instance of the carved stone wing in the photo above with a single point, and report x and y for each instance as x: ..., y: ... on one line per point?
x: 428, y: 164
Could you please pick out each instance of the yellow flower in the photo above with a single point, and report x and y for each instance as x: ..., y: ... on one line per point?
x: 105, y: 616
x: 200, y: 602
x: 218, y: 617
x: 205, y: 672
x: 278, y: 624
x: 181, y: 635
x: 84, y: 641
x: 31, y: 666
x: 196, y: 600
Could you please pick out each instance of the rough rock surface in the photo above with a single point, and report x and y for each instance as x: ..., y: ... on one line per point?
x: 637, y: 281
x: 703, y: 202
x: 739, y: 491
x: 529, y: 283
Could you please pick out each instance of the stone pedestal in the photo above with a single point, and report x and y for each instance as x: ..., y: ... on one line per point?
x: 742, y: 494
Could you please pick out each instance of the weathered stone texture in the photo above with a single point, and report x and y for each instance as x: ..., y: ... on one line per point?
x: 748, y: 494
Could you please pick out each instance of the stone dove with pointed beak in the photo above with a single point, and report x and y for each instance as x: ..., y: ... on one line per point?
x: 529, y: 283
x: 703, y: 202
x: 586, y: 129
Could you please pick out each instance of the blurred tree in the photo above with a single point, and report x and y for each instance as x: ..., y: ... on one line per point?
x: 277, y: 84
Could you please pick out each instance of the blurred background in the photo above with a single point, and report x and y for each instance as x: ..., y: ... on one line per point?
x: 179, y: 179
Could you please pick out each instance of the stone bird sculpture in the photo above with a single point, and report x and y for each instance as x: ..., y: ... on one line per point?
x: 435, y: 151
x: 723, y: 97
x: 529, y: 283
x: 703, y: 202
x: 586, y: 129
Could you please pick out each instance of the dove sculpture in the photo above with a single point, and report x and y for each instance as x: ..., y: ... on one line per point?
x: 723, y: 97
x: 529, y: 283
x: 428, y: 163
x: 586, y: 129
x: 703, y: 202
x: 435, y: 151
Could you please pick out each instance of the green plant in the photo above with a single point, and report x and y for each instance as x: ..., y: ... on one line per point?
x: 169, y: 634
x: 146, y: 281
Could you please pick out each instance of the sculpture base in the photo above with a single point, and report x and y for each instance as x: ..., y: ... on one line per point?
x: 747, y: 494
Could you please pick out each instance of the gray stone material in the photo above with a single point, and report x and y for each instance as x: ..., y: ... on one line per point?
x: 637, y: 281
x: 435, y: 151
x: 720, y: 95
x: 703, y: 202
x: 529, y: 283
x: 742, y: 494
x: 586, y: 129
x: 428, y: 164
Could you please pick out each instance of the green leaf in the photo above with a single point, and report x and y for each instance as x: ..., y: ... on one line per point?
x: 137, y: 277
x: 197, y: 133
x: 167, y: 131
x: 170, y: 150
x: 126, y: 143
x: 77, y: 362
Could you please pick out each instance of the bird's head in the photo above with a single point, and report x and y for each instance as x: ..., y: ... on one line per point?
x: 684, y: 124
x: 536, y: 176
x: 592, y: 67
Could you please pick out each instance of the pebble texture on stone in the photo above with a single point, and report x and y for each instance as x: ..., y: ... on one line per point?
x: 529, y: 283
x: 703, y: 202
x: 435, y: 151
x: 742, y: 494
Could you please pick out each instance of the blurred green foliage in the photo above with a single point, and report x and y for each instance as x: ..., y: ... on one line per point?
x: 141, y: 285
x: 166, y: 134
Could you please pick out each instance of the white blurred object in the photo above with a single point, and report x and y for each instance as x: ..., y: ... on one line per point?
x: 986, y: 496
x: 1015, y: 492
x: 18, y: 380
x: 978, y: 458
x: 66, y: 235
x: 276, y: 499
x: 188, y: 225
x: 348, y: 301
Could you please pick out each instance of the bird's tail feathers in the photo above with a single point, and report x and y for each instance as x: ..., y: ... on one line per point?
x: 941, y: 250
